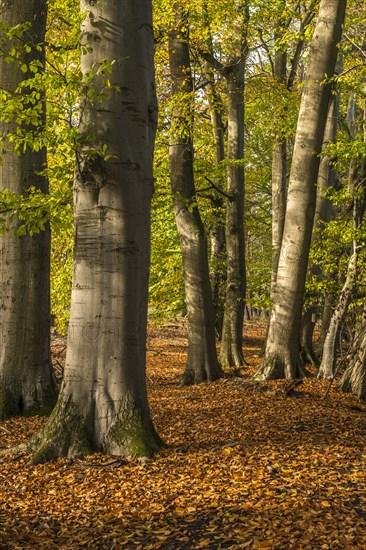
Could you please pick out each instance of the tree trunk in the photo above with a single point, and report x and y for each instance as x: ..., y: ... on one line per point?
x: 325, y: 321
x: 27, y: 382
x: 231, y: 352
x: 327, y: 178
x: 282, y: 356
x: 103, y: 400
x: 354, y: 377
x: 279, y: 166
x: 327, y: 366
x: 202, y: 364
x: 217, y: 233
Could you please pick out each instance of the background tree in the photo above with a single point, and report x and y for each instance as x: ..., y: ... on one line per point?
x: 27, y: 383
x: 202, y: 364
x: 282, y: 358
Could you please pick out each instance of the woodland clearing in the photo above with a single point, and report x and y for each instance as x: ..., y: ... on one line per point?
x: 246, y: 466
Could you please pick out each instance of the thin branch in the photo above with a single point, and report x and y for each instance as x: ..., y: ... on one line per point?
x: 227, y: 195
x: 355, y: 45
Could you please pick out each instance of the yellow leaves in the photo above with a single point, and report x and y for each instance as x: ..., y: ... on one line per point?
x: 235, y: 474
x: 263, y: 543
x: 325, y: 504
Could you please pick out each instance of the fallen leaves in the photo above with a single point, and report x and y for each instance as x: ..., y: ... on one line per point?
x: 246, y: 467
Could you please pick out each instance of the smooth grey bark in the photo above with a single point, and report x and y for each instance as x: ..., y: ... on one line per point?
x: 231, y: 350
x: 328, y: 362
x: 202, y: 364
x: 27, y: 382
x: 325, y: 320
x: 103, y: 399
x: 327, y: 178
x: 282, y: 355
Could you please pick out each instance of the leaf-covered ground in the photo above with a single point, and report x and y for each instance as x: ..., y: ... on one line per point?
x: 246, y: 467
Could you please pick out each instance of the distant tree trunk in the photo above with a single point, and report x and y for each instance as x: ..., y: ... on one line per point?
x: 231, y: 352
x: 27, y: 382
x: 202, y: 364
x: 330, y: 347
x: 331, y: 342
x: 325, y: 321
x: 354, y: 377
x: 279, y: 168
x: 327, y: 178
x: 103, y: 400
x: 282, y: 356
x: 217, y: 233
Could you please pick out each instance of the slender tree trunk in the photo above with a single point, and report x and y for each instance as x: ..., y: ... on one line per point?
x: 327, y: 366
x: 217, y: 233
x: 329, y: 357
x: 231, y: 352
x: 325, y: 321
x: 354, y: 377
x: 282, y: 356
x: 202, y: 364
x: 279, y: 167
x: 327, y: 178
x: 103, y: 400
x: 27, y: 382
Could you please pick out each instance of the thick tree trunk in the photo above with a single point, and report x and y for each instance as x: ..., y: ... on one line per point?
x: 282, y: 356
x: 202, y: 364
x: 27, y: 383
x: 231, y: 352
x: 103, y: 400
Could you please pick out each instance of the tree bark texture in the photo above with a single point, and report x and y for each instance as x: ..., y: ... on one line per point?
x: 354, y: 377
x: 231, y: 352
x: 103, y: 400
x: 27, y: 382
x: 282, y: 356
x: 202, y: 364
x: 327, y: 178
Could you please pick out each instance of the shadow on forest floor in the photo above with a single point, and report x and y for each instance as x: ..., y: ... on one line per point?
x: 246, y: 467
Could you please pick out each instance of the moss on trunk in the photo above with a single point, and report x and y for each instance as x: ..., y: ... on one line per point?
x: 133, y: 437
x: 65, y: 434
x: 68, y: 433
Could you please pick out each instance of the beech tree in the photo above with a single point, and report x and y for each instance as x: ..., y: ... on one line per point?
x: 202, y: 364
x: 232, y: 69
x: 27, y: 383
x: 103, y: 400
x: 282, y: 355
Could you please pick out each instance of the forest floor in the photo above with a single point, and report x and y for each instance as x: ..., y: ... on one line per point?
x: 246, y: 467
